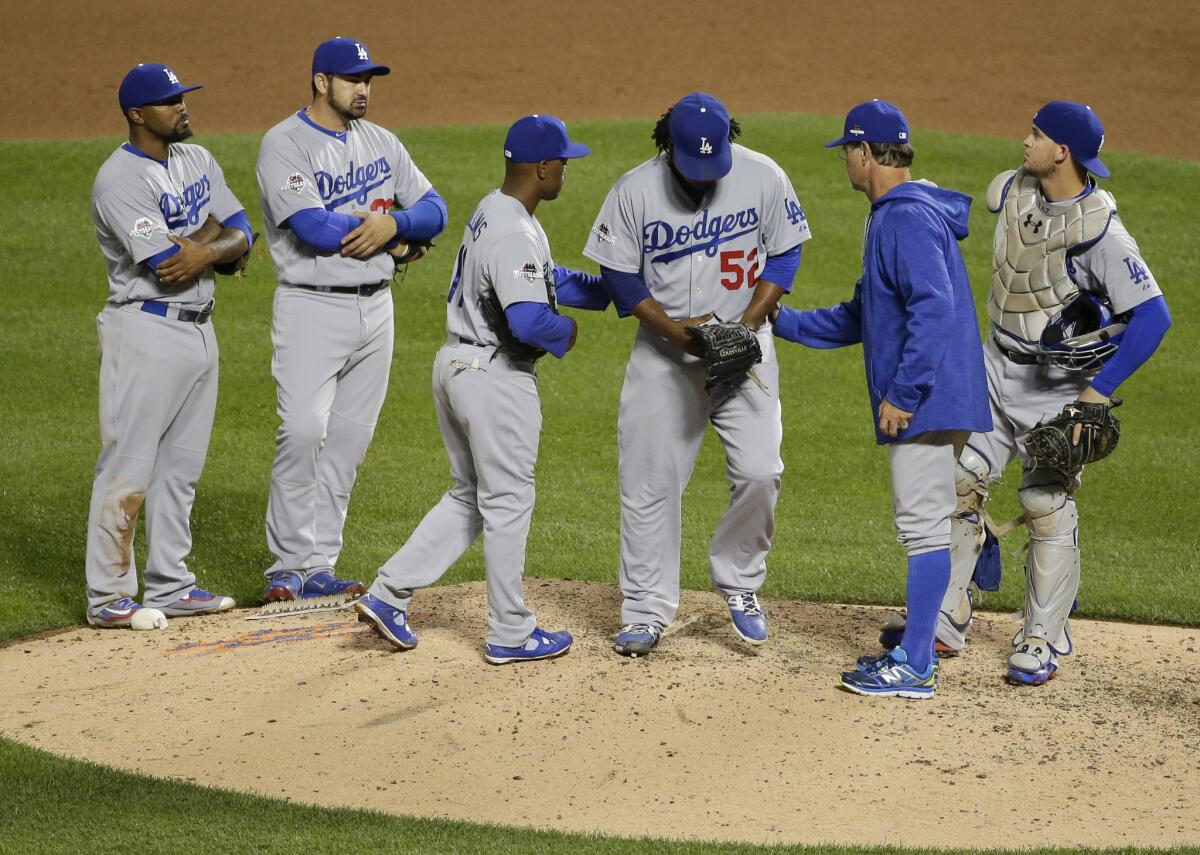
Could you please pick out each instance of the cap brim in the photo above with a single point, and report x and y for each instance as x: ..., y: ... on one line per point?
x: 1095, y: 167
x: 575, y: 150
x: 839, y: 141
x: 377, y: 70
x: 704, y: 168
x: 167, y: 96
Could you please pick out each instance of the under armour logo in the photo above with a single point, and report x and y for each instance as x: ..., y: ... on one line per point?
x: 1137, y: 273
x: 171, y: 78
x: 1031, y: 225
x: 362, y: 52
x: 705, y: 146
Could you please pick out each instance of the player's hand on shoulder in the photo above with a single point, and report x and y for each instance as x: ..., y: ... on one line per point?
x: 375, y: 231
x: 192, y: 259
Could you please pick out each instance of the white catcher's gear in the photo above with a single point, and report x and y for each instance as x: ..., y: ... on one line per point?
x: 1052, y: 569
x: 1034, y: 242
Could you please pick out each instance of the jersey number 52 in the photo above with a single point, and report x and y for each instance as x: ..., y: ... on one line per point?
x: 738, y: 268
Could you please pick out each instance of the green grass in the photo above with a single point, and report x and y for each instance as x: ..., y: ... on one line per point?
x: 834, y: 540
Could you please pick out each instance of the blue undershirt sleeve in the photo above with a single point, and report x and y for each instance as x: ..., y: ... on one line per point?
x: 781, y: 269
x: 241, y: 222
x: 537, y: 324
x: 580, y: 290
x: 836, y: 326
x: 157, y: 259
x: 322, y: 230
x: 424, y: 219
x: 1147, y: 326
x: 626, y: 289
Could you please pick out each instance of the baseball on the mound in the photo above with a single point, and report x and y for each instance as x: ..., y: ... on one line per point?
x: 148, y: 619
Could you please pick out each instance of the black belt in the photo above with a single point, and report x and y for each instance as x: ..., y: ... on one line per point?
x: 361, y: 290
x: 1019, y: 358
x: 471, y: 342
x: 190, y: 316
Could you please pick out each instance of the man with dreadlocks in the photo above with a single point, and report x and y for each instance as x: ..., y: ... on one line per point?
x: 705, y: 231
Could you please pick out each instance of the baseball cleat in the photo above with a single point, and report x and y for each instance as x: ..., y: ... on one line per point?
x: 324, y: 584
x: 636, y: 639
x: 893, y: 678
x: 893, y: 633
x: 284, y: 585
x: 387, y: 620
x: 749, y: 620
x: 541, y: 645
x: 197, y: 602
x: 1032, y: 663
x: 114, y: 615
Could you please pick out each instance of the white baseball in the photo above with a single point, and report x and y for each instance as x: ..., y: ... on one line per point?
x: 148, y: 619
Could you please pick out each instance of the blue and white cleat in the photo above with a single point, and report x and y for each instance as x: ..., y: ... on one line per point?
x: 749, y: 620
x: 893, y: 677
x: 284, y: 585
x: 541, y: 645
x: 1032, y: 663
x: 636, y: 639
x: 114, y: 615
x: 390, y: 622
x: 324, y: 584
x: 197, y: 602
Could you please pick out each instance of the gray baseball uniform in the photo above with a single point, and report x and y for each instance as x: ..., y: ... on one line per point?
x: 694, y: 262
x: 158, y: 373
x: 490, y: 417
x: 332, y: 351
x: 1106, y: 262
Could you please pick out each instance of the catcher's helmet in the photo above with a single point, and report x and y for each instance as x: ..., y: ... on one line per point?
x: 1083, y: 334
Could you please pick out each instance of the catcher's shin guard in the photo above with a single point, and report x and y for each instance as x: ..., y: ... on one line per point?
x: 1052, y: 569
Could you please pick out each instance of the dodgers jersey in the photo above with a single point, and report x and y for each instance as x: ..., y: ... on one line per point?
x: 138, y: 201
x: 505, y: 250
x: 302, y: 165
x: 698, y: 261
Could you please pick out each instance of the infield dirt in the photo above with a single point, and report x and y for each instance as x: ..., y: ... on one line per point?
x: 706, y: 738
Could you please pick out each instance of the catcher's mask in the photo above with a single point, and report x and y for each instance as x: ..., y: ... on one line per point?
x: 1083, y: 334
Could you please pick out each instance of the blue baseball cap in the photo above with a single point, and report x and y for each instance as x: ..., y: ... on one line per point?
x: 149, y: 83
x: 875, y: 121
x: 535, y: 138
x: 344, y: 56
x: 699, y: 128
x: 1078, y: 128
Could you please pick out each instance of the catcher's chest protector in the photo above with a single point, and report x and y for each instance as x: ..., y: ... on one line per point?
x: 1033, y: 242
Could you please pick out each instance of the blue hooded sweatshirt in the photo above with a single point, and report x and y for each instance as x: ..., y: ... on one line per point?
x: 913, y: 312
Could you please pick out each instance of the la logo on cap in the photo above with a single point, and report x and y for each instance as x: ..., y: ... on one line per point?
x: 705, y: 146
x: 171, y: 78
x: 362, y: 52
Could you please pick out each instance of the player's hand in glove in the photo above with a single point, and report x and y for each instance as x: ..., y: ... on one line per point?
x: 1082, y: 433
x: 730, y: 349
x: 406, y: 252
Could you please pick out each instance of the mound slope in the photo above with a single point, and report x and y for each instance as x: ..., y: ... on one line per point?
x: 707, y: 738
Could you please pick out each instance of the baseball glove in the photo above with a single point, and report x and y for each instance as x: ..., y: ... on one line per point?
x: 1050, y: 442
x: 414, y: 249
x: 731, y: 349
x: 493, y: 313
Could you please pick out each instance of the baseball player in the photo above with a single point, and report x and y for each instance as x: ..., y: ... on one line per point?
x: 913, y: 313
x: 164, y: 217
x: 343, y: 201
x: 1068, y: 285
x: 706, y: 228
x: 500, y: 317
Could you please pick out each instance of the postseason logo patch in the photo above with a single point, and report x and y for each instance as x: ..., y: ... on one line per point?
x: 530, y: 272
x: 604, y: 233
x: 295, y: 183
x: 144, y: 227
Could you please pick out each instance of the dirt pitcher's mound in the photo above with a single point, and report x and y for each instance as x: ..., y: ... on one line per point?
x: 706, y: 738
